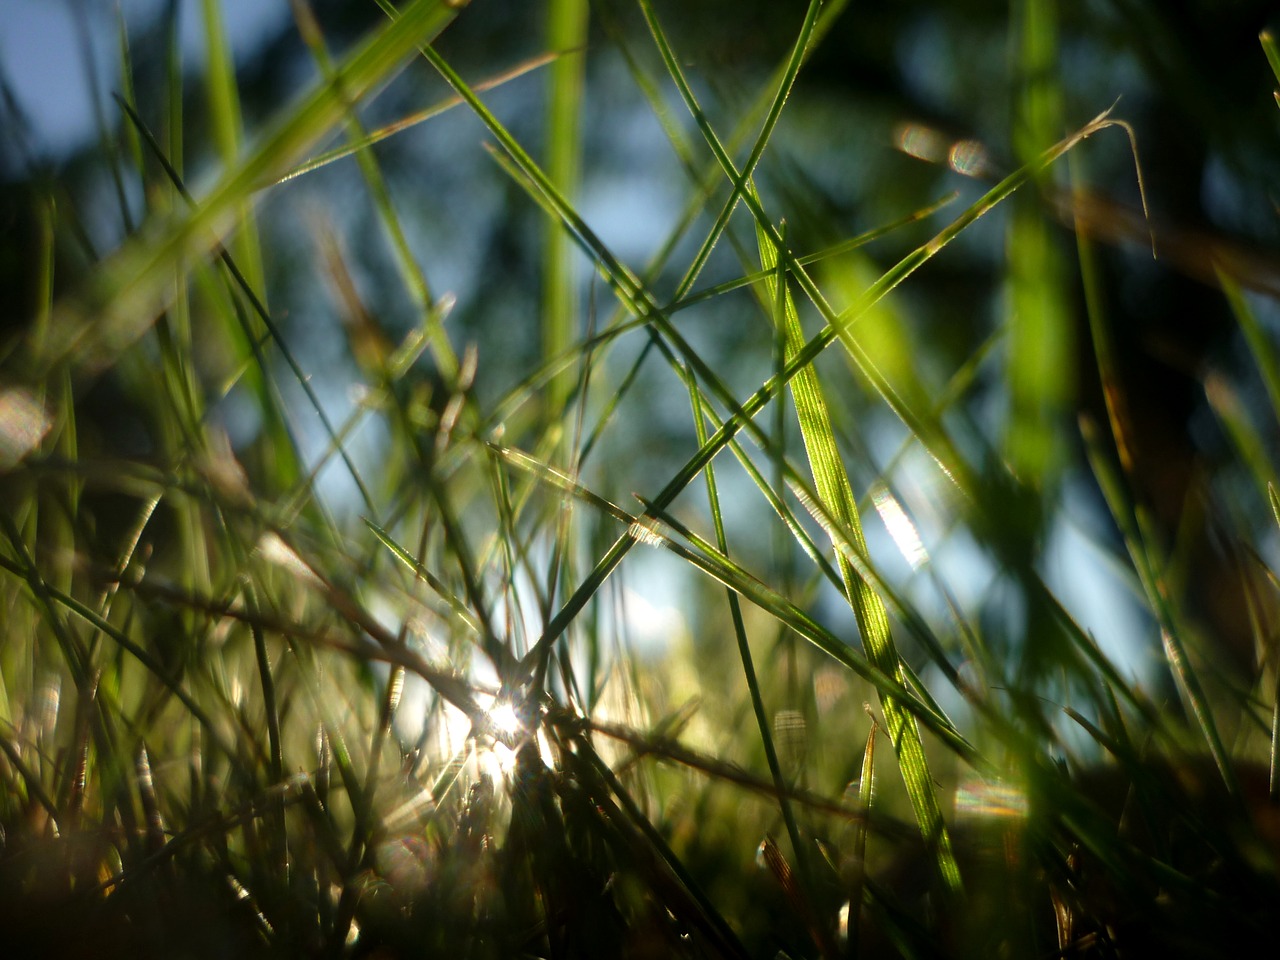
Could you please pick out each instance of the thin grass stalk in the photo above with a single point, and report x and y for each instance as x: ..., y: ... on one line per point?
x: 240, y: 282
x: 748, y: 665
x: 412, y: 277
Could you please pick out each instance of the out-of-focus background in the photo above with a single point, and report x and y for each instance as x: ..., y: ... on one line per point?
x: 868, y: 137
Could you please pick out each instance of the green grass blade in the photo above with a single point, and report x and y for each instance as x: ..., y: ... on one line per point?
x: 928, y: 430
x: 742, y: 178
x: 132, y: 146
x: 1269, y: 47
x: 1232, y: 414
x: 1261, y: 345
x: 837, y: 326
x: 649, y: 530
x: 836, y: 493
x: 567, y: 22
x: 866, y: 796
x: 351, y: 148
x: 1039, y: 370
x: 223, y: 99
x: 1162, y: 606
x: 131, y: 287
x: 287, y: 452
x: 1274, y: 786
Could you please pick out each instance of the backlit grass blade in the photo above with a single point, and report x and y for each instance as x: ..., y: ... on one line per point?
x: 917, y: 625
x: 844, y: 246
x: 649, y: 530
x: 373, y: 137
x: 840, y: 325
x: 630, y: 290
x: 1270, y: 48
x: 740, y: 179
x: 866, y: 796
x: 1039, y: 371
x: 53, y: 597
x: 238, y: 282
x: 131, y: 287
x: 837, y: 325
x: 566, y: 26
x: 834, y: 490
x: 224, y: 119
x: 790, y: 616
x: 844, y: 543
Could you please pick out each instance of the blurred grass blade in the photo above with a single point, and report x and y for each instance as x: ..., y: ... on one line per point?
x: 1039, y: 372
x: 129, y: 289
x: 928, y: 430
x: 411, y: 275
x: 224, y: 119
x: 649, y: 530
x: 1274, y: 779
x: 866, y: 796
x: 890, y: 686
x: 353, y: 147
x: 1233, y: 414
x: 1261, y: 345
x: 1161, y: 605
x: 1272, y: 51
x: 566, y: 25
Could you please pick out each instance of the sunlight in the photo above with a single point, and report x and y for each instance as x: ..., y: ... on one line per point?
x: 498, y: 761
x: 273, y: 548
x: 502, y: 715
x: 497, y: 753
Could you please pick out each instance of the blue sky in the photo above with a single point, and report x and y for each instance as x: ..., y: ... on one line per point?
x: 42, y: 62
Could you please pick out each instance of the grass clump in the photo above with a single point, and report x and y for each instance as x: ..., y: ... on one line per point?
x: 699, y: 609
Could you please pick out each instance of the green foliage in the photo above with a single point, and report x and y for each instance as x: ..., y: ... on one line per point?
x: 308, y: 656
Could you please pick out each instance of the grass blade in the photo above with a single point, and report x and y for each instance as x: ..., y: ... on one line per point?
x: 128, y: 290
x: 836, y: 494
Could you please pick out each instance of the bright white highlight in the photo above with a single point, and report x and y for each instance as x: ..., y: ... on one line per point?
x: 273, y: 549
x: 504, y: 719
x: 900, y: 527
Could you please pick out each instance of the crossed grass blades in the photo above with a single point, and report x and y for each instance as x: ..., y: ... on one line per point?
x: 241, y: 718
